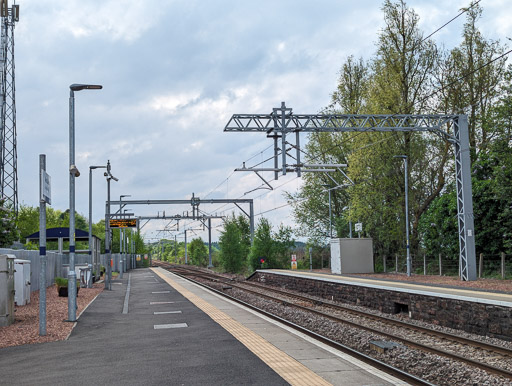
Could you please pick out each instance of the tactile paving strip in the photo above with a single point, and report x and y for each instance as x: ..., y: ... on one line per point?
x: 288, y: 368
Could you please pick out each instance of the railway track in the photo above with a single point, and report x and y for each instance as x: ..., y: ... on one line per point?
x: 493, y: 359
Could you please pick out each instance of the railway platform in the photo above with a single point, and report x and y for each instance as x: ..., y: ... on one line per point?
x: 472, y: 310
x: 157, y: 328
x: 435, y: 290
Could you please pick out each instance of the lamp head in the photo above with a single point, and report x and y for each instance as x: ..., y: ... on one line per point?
x: 78, y: 87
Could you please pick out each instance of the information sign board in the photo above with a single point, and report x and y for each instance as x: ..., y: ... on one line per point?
x: 123, y: 222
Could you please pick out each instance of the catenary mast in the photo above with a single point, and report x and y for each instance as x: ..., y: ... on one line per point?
x: 9, y: 156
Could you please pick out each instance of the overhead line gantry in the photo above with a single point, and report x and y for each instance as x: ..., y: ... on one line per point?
x: 282, y: 122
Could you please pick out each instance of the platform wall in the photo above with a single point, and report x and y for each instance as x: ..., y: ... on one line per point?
x: 477, y: 318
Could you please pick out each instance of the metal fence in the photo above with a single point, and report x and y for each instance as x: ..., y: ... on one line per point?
x: 57, y: 264
x: 488, y: 266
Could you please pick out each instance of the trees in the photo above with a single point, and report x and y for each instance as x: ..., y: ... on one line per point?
x: 263, y: 245
x: 273, y: 247
x: 198, y: 252
x: 407, y: 74
x: 8, y: 231
x: 232, y: 257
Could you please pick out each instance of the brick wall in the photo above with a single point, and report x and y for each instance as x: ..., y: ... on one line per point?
x: 477, y: 318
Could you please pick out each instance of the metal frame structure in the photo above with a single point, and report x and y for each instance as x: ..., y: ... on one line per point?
x: 9, y: 153
x: 195, y: 202
x: 281, y: 122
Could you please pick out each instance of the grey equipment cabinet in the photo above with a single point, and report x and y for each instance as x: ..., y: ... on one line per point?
x: 6, y: 290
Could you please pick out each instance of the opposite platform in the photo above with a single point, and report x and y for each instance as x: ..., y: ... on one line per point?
x: 464, y: 294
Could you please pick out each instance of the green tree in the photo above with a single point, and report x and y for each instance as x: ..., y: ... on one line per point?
x: 8, y: 231
x: 283, y: 245
x: 198, y: 252
x: 263, y: 245
x: 482, y: 78
x: 233, y: 249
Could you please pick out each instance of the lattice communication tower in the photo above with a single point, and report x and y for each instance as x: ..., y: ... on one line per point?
x: 9, y: 156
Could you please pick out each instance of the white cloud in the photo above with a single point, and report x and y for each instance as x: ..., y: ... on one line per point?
x: 111, y: 19
x: 173, y: 102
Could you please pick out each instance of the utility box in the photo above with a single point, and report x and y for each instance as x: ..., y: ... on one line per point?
x: 352, y: 255
x: 21, y: 282
x: 6, y: 290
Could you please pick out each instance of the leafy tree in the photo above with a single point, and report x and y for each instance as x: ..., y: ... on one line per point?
x: 473, y: 60
x: 273, y: 247
x: 198, y: 252
x: 263, y: 245
x: 234, y: 244
x: 8, y: 231
x: 283, y: 244
x: 406, y: 75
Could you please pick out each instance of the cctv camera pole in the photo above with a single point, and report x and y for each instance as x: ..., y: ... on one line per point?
x: 72, y: 172
x: 108, y: 254
x: 91, y: 252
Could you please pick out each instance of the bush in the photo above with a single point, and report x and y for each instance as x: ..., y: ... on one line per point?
x: 63, y: 282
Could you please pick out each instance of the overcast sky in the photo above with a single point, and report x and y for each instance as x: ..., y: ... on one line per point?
x: 173, y: 73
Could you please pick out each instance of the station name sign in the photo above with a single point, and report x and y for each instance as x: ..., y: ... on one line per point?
x: 123, y: 223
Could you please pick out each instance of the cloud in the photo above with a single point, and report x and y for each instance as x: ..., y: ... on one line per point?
x: 110, y: 19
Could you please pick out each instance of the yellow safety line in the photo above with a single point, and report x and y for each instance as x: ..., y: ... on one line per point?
x: 439, y: 290
x: 288, y: 368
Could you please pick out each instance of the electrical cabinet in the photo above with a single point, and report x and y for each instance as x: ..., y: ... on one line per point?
x: 6, y: 290
x: 22, y: 282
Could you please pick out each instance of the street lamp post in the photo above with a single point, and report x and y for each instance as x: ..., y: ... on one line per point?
x: 108, y: 252
x: 121, y: 234
x: 404, y: 157
x: 96, y: 269
x: 73, y: 172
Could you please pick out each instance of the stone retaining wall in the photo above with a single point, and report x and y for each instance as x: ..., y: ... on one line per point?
x: 477, y: 318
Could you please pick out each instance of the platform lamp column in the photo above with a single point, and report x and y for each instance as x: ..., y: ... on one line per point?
x: 121, y: 232
x: 91, y: 257
x: 108, y: 252
x: 73, y: 172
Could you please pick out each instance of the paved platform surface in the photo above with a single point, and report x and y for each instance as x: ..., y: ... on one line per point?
x: 155, y: 328
x: 465, y: 294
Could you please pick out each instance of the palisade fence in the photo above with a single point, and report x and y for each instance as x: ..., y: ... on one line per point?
x: 56, y: 264
x: 488, y: 266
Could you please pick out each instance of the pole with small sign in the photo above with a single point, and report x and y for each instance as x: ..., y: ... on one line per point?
x: 294, y: 261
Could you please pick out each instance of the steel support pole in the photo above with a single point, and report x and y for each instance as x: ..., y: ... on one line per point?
x: 297, y: 148
x: 251, y: 221
x: 310, y: 259
x: 210, y: 265
x: 464, y: 199
x: 175, y: 251
x: 283, y: 137
x: 276, y: 160
x: 330, y: 215
x: 71, y: 272
x: 42, y: 249
x: 108, y: 253
x: 409, y: 263
x: 89, y: 283
x: 186, y: 254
